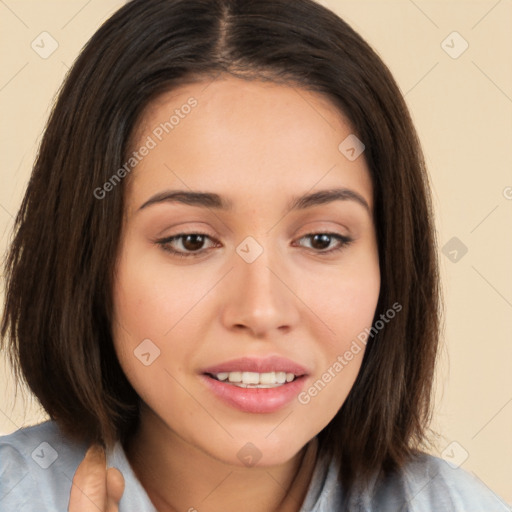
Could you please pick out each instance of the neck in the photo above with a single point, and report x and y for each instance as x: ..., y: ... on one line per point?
x: 178, y: 476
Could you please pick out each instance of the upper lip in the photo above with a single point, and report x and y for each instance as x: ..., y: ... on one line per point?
x: 258, y: 365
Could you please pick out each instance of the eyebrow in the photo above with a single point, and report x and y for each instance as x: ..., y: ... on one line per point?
x: 215, y: 201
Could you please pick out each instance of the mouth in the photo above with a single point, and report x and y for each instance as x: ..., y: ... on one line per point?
x: 256, y: 385
x: 244, y: 379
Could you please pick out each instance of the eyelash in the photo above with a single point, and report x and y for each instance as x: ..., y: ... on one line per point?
x: 344, y: 241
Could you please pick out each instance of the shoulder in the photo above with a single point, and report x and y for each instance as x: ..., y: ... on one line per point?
x: 37, y: 465
x: 425, y: 484
x: 428, y: 483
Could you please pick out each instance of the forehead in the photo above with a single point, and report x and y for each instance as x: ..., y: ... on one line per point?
x: 251, y: 136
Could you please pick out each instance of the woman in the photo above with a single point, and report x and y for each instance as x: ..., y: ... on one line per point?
x: 224, y: 281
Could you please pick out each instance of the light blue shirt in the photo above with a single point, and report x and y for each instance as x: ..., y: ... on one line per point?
x: 37, y: 465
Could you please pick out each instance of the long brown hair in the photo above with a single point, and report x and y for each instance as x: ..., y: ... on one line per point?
x: 59, y: 270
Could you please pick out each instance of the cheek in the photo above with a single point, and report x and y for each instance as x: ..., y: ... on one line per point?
x: 150, y: 298
x: 344, y: 298
x: 342, y: 351
x: 153, y: 307
x: 143, y: 350
x: 346, y: 302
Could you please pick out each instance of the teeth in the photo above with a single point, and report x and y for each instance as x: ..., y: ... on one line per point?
x: 235, y: 377
x: 267, y: 378
x: 248, y: 379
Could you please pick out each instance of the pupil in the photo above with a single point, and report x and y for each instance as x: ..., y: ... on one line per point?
x: 324, y: 241
x: 197, y: 242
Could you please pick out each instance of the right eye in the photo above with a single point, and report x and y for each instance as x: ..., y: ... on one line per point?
x: 191, y: 244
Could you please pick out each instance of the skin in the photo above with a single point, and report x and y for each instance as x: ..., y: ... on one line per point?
x: 258, y: 145
x: 94, y: 487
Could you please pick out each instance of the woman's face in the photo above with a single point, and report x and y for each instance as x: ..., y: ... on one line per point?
x: 258, y: 274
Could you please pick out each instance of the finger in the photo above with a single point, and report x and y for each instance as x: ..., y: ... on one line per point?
x: 115, y: 489
x: 89, y: 486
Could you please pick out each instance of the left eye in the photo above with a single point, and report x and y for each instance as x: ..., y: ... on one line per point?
x: 192, y: 244
x: 323, y: 240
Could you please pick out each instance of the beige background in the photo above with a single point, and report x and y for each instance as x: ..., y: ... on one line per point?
x: 462, y: 108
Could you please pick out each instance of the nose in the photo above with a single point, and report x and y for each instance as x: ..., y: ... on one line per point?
x: 260, y: 299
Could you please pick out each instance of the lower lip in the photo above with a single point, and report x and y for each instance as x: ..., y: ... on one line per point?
x: 256, y: 400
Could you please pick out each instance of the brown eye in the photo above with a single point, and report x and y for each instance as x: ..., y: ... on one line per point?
x: 320, y: 242
x: 186, y: 244
x: 193, y: 242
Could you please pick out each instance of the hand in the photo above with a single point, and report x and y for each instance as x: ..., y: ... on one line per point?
x: 95, y: 488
